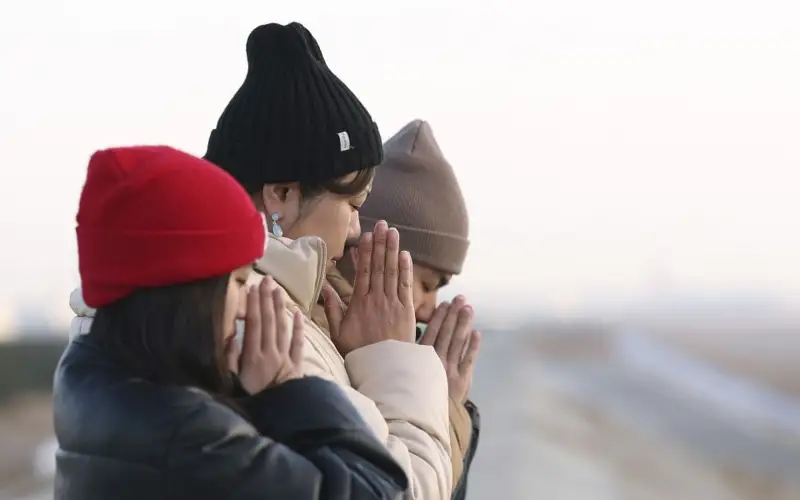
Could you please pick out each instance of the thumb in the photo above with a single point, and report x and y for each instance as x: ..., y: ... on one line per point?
x: 334, y: 309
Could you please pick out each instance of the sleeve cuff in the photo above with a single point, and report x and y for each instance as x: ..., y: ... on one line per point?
x: 302, y: 409
x: 403, y: 379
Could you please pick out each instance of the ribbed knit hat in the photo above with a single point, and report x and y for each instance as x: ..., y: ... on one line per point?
x: 293, y: 119
x: 416, y: 191
x: 154, y: 216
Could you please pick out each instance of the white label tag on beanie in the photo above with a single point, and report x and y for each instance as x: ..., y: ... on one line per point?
x: 344, y: 141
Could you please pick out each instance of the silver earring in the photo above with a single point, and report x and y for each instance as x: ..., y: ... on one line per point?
x: 276, y: 228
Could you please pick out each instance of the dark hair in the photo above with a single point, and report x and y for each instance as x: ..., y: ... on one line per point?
x: 170, y: 335
x: 339, y: 186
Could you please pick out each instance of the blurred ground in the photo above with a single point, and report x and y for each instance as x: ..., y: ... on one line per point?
x: 25, y: 422
x: 566, y: 416
x: 767, y: 354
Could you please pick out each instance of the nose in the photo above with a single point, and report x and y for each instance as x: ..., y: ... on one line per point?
x: 425, y: 308
x: 354, y: 230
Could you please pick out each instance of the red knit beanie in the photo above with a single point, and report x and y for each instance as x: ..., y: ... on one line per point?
x: 154, y: 216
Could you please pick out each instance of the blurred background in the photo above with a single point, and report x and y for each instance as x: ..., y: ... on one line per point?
x: 631, y: 170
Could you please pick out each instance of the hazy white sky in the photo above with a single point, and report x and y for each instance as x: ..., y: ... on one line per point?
x: 604, y: 147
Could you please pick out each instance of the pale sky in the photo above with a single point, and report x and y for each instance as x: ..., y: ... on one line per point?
x: 605, y: 148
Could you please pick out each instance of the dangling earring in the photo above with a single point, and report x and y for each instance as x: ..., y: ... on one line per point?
x: 276, y: 228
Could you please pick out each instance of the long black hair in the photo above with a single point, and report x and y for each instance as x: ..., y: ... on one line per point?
x: 170, y: 335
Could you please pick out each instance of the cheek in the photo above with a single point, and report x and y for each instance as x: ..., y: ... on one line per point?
x: 424, y: 303
x: 241, y: 303
x: 340, y: 224
x: 330, y: 219
x: 233, y: 308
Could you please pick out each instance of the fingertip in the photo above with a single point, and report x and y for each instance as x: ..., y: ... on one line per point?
x: 252, y: 296
x: 329, y: 295
x: 393, y: 242
x: 366, y: 243
x: 475, y: 341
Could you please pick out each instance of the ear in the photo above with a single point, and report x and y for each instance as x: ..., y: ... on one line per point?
x: 276, y: 196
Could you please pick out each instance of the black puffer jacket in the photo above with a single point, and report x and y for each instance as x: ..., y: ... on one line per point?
x: 125, y: 438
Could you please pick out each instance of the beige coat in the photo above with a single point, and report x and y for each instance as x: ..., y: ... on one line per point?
x: 460, y: 421
x: 399, y: 388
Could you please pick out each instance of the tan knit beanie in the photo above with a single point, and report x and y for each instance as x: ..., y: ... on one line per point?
x: 416, y: 191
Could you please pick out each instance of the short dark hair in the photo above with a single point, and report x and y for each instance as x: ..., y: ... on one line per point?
x: 352, y: 187
x: 170, y: 334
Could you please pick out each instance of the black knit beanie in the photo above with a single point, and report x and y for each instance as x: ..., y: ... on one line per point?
x: 292, y: 120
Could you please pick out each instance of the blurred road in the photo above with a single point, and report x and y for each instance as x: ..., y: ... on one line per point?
x: 627, y: 422
x: 622, y: 425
